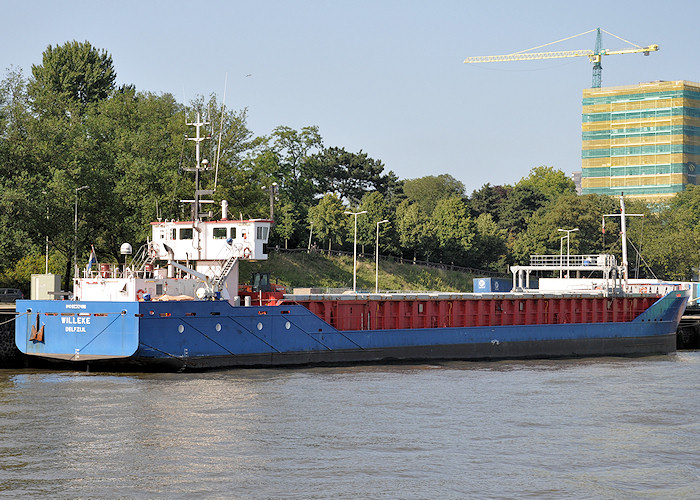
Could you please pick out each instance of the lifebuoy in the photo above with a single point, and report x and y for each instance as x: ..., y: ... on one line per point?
x: 139, y: 294
x: 154, y: 253
x: 246, y: 252
x: 643, y: 290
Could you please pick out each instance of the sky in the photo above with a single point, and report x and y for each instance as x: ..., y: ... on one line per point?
x: 385, y: 77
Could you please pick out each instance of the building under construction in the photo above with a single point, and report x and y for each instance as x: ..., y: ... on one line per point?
x: 643, y: 140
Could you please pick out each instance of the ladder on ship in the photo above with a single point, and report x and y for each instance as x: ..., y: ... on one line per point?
x: 146, y: 256
x: 218, y: 282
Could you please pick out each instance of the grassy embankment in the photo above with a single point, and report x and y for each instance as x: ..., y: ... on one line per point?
x: 316, y: 270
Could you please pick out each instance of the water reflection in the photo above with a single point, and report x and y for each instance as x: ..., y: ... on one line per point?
x: 581, y: 428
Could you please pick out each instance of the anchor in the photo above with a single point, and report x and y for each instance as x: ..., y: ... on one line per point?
x: 37, y: 332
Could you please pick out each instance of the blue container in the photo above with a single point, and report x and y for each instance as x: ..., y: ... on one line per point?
x: 494, y: 285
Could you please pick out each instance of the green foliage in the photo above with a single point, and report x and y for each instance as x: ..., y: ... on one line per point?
x: 74, y: 72
x: 548, y: 181
x: 414, y: 231
x: 517, y: 209
x: 454, y: 229
x: 569, y: 212
x: 489, y: 200
x: 489, y: 248
x: 286, y: 218
x: 427, y: 191
x: 377, y: 209
x: 350, y: 175
x: 328, y: 219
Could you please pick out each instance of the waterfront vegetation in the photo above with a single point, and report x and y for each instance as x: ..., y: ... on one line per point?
x: 317, y: 269
x: 68, y: 125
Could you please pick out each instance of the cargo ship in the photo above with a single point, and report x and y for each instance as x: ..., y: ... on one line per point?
x: 177, y: 305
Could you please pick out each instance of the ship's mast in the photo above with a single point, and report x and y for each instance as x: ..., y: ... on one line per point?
x: 623, y: 229
x: 623, y: 234
x: 200, y: 164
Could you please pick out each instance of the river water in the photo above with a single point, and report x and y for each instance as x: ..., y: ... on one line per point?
x: 598, y: 428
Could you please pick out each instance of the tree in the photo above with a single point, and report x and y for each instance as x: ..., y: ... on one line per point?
x: 551, y: 183
x: 292, y: 148
x: 488, y: 200
x: 454, y: 229
x: 517, y: 209
x: 286, y: 222
x: 350, y: 175
x: 416, y: 235
x: 74, y: 72
x: 568, y: 212
x: 377, y: 209
x: 328, y: 219
x: 489, y: 249
x: 63, y: 94
x: 426, y: 191
x: 671, y: 235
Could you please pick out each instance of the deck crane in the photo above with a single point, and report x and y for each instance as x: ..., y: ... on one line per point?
x: 595, y: 56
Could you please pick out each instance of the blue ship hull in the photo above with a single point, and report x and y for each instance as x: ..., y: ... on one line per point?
x: 213, y: 334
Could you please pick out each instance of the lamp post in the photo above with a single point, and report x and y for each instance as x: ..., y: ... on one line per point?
x: 274, y: 190
x: 75, y: 232
x: 376, y: 255
x: 568, y: 233
x: 354, y: 252
x: 311, y: 232
x: 561, y: 258
x: 47, y: 234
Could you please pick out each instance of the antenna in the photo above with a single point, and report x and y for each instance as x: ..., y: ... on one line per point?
x: 221, y: 130
x: 184, y: 103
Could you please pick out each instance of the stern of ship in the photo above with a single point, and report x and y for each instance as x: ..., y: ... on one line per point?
x: 75, y: 331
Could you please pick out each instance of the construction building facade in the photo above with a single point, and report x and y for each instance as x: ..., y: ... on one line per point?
x: 643, y: 140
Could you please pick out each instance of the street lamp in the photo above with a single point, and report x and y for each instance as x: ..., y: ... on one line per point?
x: 561, y: 259
x: 274, y: 190
x: 311, y: 232
x: 75, y: 233
x: 376, y: 255
x: 354, y: 252
x: 568, y: 233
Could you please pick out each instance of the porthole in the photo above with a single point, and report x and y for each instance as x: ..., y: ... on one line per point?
x: 218, y: 327
x: 259, y: 326
x: 181, y: 328
x: 287, y: 325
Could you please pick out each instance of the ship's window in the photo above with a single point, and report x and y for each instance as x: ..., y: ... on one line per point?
x: 186, y: 233
x: 233, y: 233
x: 262, y: 232
x: 173, y: 236
x: 159, y: 289
x: 219, y: 233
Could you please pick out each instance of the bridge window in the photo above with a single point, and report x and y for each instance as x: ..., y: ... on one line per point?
x: 262, y: 232
x: 233, y: 233
x: 219, y: 233
x: 186, y: 233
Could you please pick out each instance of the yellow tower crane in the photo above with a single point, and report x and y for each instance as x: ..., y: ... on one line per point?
x: 595, y: 56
